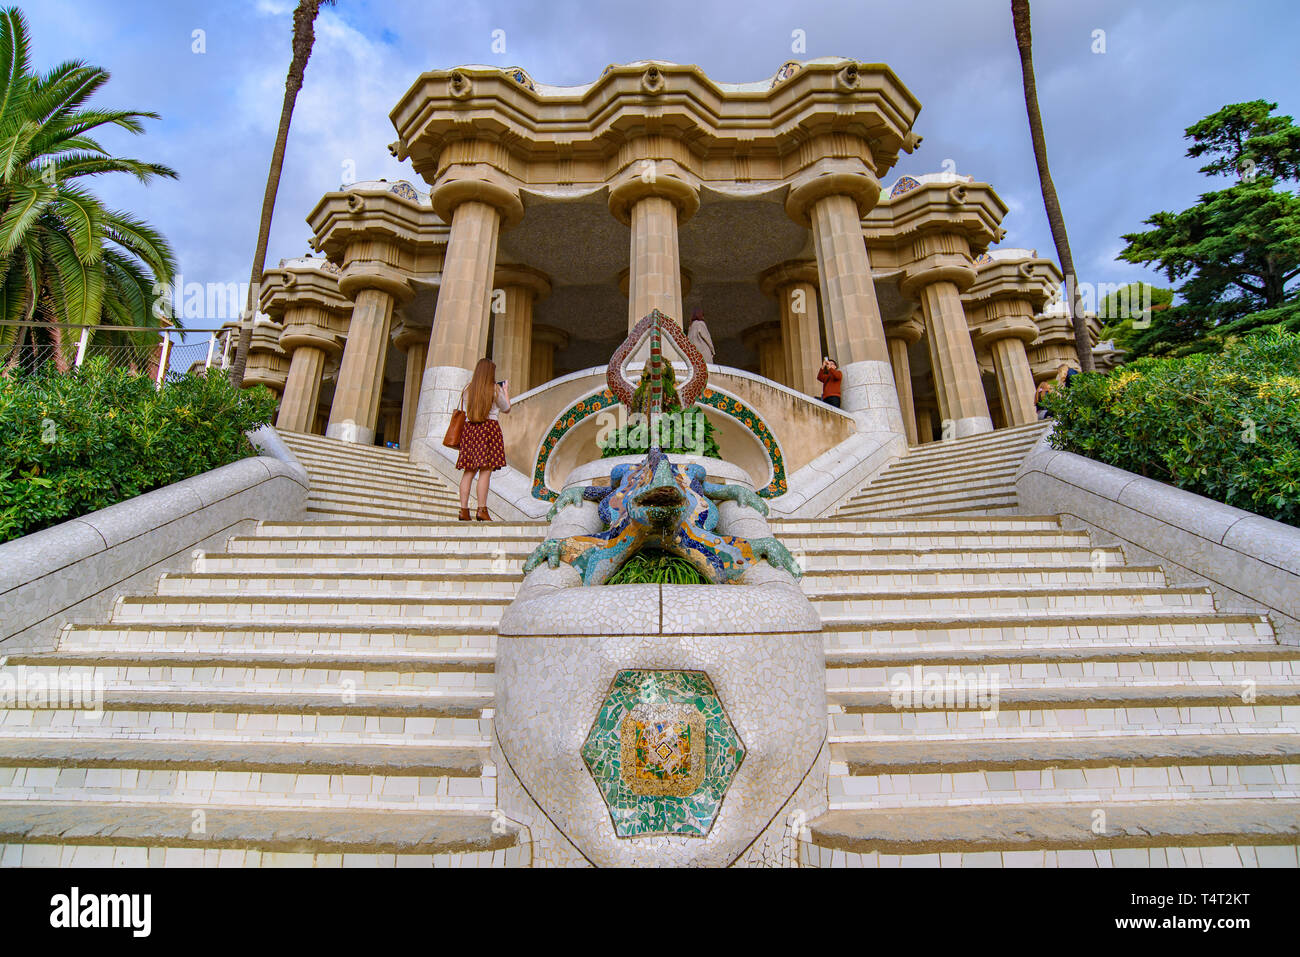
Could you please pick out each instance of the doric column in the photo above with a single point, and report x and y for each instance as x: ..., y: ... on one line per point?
x: 383, y: 234
x: 390, y: 417
x: 547, y: 340
x: 766, y: 340
x: 940, y: 270
x: 413, y: 338
x: 375, y: 286
x: 302, y: 391
x: 830, y: 196
x: 268, y: 364
x: 512, y: 321
x: 304, y: 295
x: 924, y: 423
x: 653, y: 196
x: 900, y: 335
x: 794, y: 284
x: 478, y: 201
x: 1010, y: 287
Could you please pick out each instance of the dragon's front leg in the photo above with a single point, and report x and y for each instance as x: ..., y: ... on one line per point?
x: 776, y: 555
x: 570, y: 496
x: 550, y: 551
x: 736, y: 493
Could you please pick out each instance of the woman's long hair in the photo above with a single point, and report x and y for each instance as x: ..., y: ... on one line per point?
x: 481, y: 391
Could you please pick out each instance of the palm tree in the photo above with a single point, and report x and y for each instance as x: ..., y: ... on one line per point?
x: 304, y: 37
x: 1082, y: 343
x: 64, y: 256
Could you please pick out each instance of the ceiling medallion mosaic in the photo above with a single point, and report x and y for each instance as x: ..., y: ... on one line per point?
x: 662, y: 752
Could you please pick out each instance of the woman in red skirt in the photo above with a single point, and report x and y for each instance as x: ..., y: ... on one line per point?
x: 482, y: 450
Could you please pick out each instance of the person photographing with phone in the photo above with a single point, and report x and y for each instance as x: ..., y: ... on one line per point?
x: 830, y: 377
x: 482, y: 448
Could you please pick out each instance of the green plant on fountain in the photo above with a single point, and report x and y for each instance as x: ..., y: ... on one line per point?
x: 678, y: 431
x: 655, y: 506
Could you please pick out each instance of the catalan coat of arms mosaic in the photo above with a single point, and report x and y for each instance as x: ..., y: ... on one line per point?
x: 663, y: 753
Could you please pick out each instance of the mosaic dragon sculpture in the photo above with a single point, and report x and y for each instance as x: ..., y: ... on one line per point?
x: 655, y: 503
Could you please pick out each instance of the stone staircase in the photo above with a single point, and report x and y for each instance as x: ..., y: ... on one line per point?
x: 369, y: 483
x: 971, y: 476
x: 319, y: 693
x: 1135, y: 724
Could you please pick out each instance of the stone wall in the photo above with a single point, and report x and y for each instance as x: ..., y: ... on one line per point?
x: 1251, y: 563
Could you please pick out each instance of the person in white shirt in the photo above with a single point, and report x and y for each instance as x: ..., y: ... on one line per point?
x: 698, y: 334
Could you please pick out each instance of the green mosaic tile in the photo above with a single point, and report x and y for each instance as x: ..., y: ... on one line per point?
x: 663, y: 753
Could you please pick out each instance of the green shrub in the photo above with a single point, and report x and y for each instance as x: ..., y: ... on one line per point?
x: 651, y: 566
x: 81, y: 441
x: 1225, y: 425
x: 680, y: 431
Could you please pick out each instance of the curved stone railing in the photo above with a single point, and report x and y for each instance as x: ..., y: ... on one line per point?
x: 75, y: 569
x: 1250, y: 562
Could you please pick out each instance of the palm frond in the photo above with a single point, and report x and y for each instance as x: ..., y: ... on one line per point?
x: 14, y: 55
x: 25, y: 205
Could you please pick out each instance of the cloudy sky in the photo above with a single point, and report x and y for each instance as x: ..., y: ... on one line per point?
x: 1114, y: 119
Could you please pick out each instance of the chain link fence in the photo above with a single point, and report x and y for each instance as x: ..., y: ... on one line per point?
x: 37, y: 346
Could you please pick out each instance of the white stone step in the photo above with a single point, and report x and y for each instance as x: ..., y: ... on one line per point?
x: 338, y: 505
x: 320, y: 611
x: 931, y: 602
x: 161, y: 856
x: 900, y: 488
x: 1013, y: 630
x: 1214, y: 832
x: 847, y: 526
x: 345, y: 481
x: 1064, y: 767
x: 811, y: 854
x: 974, y: 463
x: 339, y: 683
x: 1048, y: 672
x: 886, y: 539
x: 820, y: 581
x: 85, y: 834
x: 827, y: 558
x: 322, y: 639
x: 1150, y: 708
x: 412, y: 584
x: 1090, y: 786
x: 443, y: 529
x: 503, y: 561
x: 223, y: 773
x: 388, y: 494
x: 216, y: 790
x: 946, y: 503
x: 137, y: 718
x: 1028, y: 433
x: 435, y: 548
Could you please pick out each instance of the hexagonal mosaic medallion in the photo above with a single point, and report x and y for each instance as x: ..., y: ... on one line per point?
x: 663, y: 753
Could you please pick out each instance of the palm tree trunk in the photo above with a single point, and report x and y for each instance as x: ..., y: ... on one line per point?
x: 1024, y: 41
x: 304, y: 37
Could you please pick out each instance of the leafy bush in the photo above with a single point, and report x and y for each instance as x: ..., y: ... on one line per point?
x: 651, y: 566
x: 687, y: 432
x: 76, y: 442
x: 679, y: 432
x: 1225, y: 425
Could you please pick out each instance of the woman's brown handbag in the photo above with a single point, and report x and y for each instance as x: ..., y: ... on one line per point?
x: 455, y: 426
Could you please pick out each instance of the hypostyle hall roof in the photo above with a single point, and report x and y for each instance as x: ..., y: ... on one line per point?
x: 802, y: 99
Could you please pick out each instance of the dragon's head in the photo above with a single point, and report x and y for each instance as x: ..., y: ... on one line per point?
x: 661, y: 504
